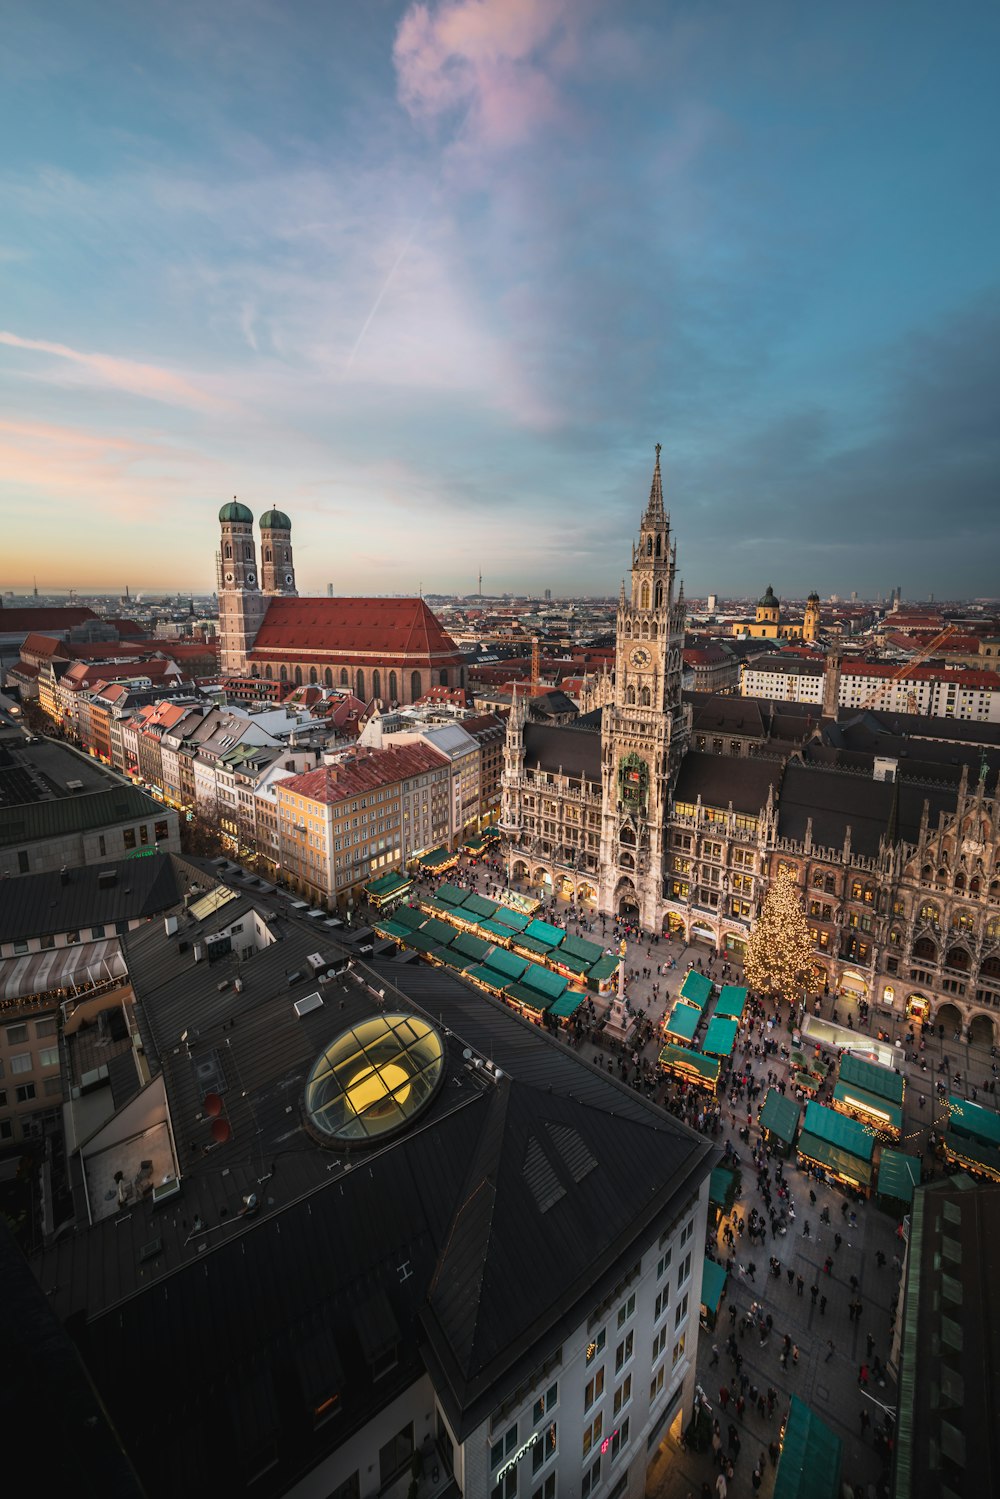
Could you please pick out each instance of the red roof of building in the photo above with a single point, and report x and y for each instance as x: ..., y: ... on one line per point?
x: 84, y: 675
x: 12, y: 620
x: 962, y: 677
x: 379, y: 630
x: 367, y: 771
x: 46, y: 646
x: 457, y: 696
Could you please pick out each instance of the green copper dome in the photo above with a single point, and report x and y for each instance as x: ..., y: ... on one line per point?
x: 768, y: 601
x: 234, y: 511
x: 275, y: 520
x: 813, y: 597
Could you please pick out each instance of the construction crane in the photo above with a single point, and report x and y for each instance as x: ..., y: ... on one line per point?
x: 878, y: 693
x: 531, y: 640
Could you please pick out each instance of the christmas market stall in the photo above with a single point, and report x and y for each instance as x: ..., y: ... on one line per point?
x: 720, y: 1038
x: 779, y: 1120
x: 972, y: 1139
x: 811, y: 1456
x: 898, y: 1175
x: 696, y: 989
x: 388, y: 889
x: 713, y: 1288
x: 841, y: 1146
x: 691, y: 1066
x: 871, y: 1093
x: 681, y: 1023
x: 732, y: 1002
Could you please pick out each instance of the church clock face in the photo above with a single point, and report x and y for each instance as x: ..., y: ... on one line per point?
x: 229, y: 577
x: 639, y: 656
x: 251, y: 579
x: 288, y: 578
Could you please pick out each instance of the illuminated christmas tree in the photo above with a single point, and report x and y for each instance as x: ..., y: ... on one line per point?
x: 779, y: 952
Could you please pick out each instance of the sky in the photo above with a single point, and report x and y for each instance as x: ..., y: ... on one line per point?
x: 434, y: 278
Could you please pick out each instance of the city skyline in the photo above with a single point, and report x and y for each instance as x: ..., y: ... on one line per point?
x: 447, y: 272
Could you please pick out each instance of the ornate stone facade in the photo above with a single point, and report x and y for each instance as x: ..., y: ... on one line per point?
x: 898, y: 859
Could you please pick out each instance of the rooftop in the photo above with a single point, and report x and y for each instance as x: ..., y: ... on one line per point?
x: 400, y: 629
x: 369, y: 770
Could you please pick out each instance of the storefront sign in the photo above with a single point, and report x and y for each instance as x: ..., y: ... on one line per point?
x: 521, y: 1452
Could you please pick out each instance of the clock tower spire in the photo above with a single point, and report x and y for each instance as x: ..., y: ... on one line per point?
x: 643, y: 730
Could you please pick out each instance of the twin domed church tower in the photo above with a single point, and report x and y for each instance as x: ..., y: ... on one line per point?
x: 243, y: 591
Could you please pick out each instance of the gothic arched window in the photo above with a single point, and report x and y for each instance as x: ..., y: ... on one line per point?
x: 283, y: 673
x: 443, y: 679
x: 229, y: 550
x: 414, y: 686
x: 267, y: 554
x: 644, y: 597
x: 359, y: 684
x: 658, y: 596
x: 376, y: 683
x: 328, y: 677
x: 298, y: 676
x: 649, y: 546
x: 313, y: 676
x: 630, y: 696
x: 393, y: 693
x: 344, y: 678
x: 248, y: 551
x: 268, y: 674
x: 658, y: 540
x: 644, y: 698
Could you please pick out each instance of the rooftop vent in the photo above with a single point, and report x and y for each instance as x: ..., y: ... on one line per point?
x: 74, y: 785
x: 307, y: 1004
x: 106, y: 878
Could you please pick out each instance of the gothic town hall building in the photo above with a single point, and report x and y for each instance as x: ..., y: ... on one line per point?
x: 675, y: 811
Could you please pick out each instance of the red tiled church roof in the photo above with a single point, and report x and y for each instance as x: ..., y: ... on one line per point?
x: 376, y: 629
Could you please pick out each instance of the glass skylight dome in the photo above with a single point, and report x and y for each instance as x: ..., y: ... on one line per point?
x: 373, y: 1080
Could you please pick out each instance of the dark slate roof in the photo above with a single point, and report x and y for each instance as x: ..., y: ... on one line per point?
x: 837, y: 799
x: 344, y: 1245
x: 39, y: 904
x: 721, y: 779
x: 575, y: 748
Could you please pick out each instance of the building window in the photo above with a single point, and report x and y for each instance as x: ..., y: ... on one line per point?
x: 625, y: 1310
x: 21, y: 1062
x: 544, y: 1404
x: 681, y: 1312
x: 546, y: 1490
x: 592, y: 1434
x: 594, y: 1390
x: 16, y: 1034
x: 544, y: 1448
x: 620, y: 1439
x: 678, y: 1352
x: 395, y: 1455
x: 623, y: 1394
x: 591, y: 1479
x: 48, y: 1056
x: 596, y: 1345
x: 129, y: 837
x: 624, y: 1350
x: 45, y: 1028
x: 160, y: 831
x: 22, y: 861
x: 24, y: 1092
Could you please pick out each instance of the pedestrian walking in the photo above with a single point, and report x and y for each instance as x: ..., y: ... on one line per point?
x: 837, y: 1241
x: 721, y: 1487
x: 870, y: 1340
x: 863, y: 1376
x: 805, y: 1230
x: 791, y: 1276
x: 715, y: 1356
x: 724, y: 1396
x: 822, y: 1306
x: 865, y: 1419
x: 814, y: 1292
x: 795, y: 1353
x: 827, y: 1265
x: 799, y: 1285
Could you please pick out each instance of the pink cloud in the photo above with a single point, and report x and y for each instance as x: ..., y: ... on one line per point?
x: 146, y: 380
x: 492, y: 58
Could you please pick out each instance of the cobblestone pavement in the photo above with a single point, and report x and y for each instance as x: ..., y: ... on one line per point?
x: 826, y: 1379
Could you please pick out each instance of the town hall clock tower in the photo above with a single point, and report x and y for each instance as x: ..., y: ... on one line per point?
x: 643, y: 730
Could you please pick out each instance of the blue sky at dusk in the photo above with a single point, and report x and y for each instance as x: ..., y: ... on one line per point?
x: 434, y: 278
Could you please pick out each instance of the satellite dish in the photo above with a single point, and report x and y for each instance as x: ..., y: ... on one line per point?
x: 467, y: 1054
x: 221, y: 1131
x: 212, y: 1105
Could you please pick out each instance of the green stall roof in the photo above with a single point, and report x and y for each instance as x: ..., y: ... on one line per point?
x: 690, y: 1061
x: 475, y: 843
x: 568, y: 960
x: 567, y: 1004
x: 524, y: 943
x: 544, y: 931
x: 780, y: 1116
x: 394, y: 929
x: 479, y: 905
x: 437, y: 858
x: 898, y: 1174
x: 858, y: 1098
x: 604, y: 968
x: 720, y: 1038
x: 683, y: 1021
x: 973, y: 1121
x: 974, y: 1154
x: 696, y: 988
x: 420, y: 942
x: 386, y: 884
x: 590, y: 952
x: 488, y: 977
x: 719, y: 1184
x: 507, y: 963
x: 409, y: 916
x: 441, y: 931
x: 501, y: 933
x: 880, y: 1081
x: 713, y: 1283
x: 732, y: 1001
x: 836, y: 1129
x: 835, y: 1159
x: 527, y: 997
x: 544, y: 981
x: 452, y: 895
x: 811, y: 1455
x: 516, y: 920
x: 454, y: 959
x: 470, y: 946
x: 435, y: 907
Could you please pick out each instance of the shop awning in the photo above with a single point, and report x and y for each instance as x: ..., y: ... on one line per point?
x: 713, y: 1283
x: 732, y: 1001
x: 479, y: 905
x: 837, y: 1129
x: 515, y: 920
x: 683, y: 1021
x: 544, y: 980
x: 530, y: 945
x: 567, y: 1004
x: 529, y: 998
x: 883, y: 1114
x: 421, y: 942
x: 451, y: 895
x: 898, y: 1174
x: 409, y: 916
x: 974, y: 1155
x: 882, y: 1082
x: 501, y: 933
x: 720, y: 1038
x: 440, y: 930
x: 544, y: 931
x: 604, y: 969
x: 719, y: 1185
x: 471, y: 946
x: 475, y: 844
x: 780, y: 1116
x: 454, y: 959
x: 809, y: 1466
x: 696, y: 988
x: 488, y: 977
x: 570, y: 961
x: 394, y: 929
x: 692, y: 1065
x: 507, y: 963
x: 973, y: 1121
x: 83, y: 964
x: 387, y: 886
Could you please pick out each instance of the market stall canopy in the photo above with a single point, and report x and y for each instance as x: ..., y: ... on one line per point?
x: 696, y: 988
x: 780, y: 1116
x: 85, y: 963
x: 881, y: 1081
x: 732, y: 1002
x: 720, y: 1038
x: 811, y: 1455
x: 529, y: 998
x: 719, y: 1185
x: 837, y: 1130
x: 438, y: 859
x: 451, y: 895
x: 690, y: 1064
x: 515, y: 921
x: 683, y: 1021
x: 973, y: 1121
x: 567, y: 1004
x: 884, y: 1115
x: 590, y: 952
x: 713, y: 1283
x: 387, y: 886
x: 898, y: 1174
x: 974, y: 1155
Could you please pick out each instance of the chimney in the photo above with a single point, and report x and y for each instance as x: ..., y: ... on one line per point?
x: 64, y: 876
